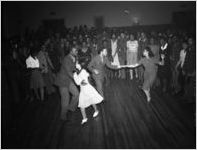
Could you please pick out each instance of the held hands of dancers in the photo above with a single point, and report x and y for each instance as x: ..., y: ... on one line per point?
x: 128, y: 66
x: 96, y: 71
x: 162, y: 56
x: 162, y: 59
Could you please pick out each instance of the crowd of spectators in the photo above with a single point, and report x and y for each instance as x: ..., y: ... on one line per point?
x: 50, y: 48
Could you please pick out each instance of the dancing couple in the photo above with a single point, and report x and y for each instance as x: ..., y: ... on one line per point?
x: 88, y: 94
x: 149, y: 62
x: 71, y: 73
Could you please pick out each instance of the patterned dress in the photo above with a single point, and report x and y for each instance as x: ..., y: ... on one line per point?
x: 132, y: 52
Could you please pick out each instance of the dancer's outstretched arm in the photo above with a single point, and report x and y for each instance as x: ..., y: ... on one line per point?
x: 130, y: 66
x: 162, y: 60
x: 110, y: 65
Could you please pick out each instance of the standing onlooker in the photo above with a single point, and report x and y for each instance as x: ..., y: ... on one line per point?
x: 14, y: 74
x: 189, y: 69
x: 106, y: 45
x: 84, y: 55
x: 114, y: 52
x: 36, y: 81
x: 174, y: 57
x: 47, y: 67
x: 164, y: 72
x: 66, y: 48
x: 94, y: 47
x: 52, y: 51
x: 179, y: 66
x: 132, y: 51
x: 155, y: 50
x: 122, y: 49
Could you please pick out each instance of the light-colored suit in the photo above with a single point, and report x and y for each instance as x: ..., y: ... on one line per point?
x: 100, y: 66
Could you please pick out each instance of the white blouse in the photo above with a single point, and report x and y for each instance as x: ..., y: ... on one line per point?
x: 32, y: 63
x: 132, y: 46
x: 82, y: 76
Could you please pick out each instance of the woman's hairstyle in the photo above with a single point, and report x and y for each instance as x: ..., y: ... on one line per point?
x: 133, y: 34
x: 100, y: 50
x: 72, y: 46
x: 185, y: 42
x: 164, y: 38
x: 77, y: 70
x: 150, y: 53
x: 152, y: 37
x: 113, y: 33
x: 33, y: 52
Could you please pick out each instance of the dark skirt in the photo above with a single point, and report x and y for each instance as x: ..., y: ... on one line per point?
x: 36, y: 80
x: 149, y: 78
x: 164, y: 72
x: 49, y: 81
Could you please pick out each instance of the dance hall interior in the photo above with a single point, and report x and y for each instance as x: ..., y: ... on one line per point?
x: 98, y: 74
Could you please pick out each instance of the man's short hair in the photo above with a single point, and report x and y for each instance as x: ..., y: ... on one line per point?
x: 100, y: 50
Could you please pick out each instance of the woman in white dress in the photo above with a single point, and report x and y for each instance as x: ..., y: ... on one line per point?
x: 114, y: 48
x: 88, y: 94
x: 132, y: 51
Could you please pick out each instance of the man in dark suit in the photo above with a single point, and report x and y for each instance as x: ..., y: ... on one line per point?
x: 122, y: 54
x: 97, y: 67
x: 66, y: 84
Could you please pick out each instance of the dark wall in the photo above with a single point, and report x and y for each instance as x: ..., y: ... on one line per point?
x: 184, y: 18
x: 20, y: 15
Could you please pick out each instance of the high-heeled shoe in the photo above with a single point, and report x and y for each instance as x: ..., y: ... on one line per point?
x: 95, y: 113
x: 148, y: 98
x: 84, y: 120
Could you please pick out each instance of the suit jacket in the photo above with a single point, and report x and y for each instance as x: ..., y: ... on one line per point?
x: 108, y: 47
x: 65, y: 75
x: 122, y: 48
x: 96, y: 63
x: 190, y: 60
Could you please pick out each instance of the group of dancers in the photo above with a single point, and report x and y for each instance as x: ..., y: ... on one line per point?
x: 72, y: 71
x: 73, y: 74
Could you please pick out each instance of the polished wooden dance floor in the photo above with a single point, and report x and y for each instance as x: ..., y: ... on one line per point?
x: 126, y: 120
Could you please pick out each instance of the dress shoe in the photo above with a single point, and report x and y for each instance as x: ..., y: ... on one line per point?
x: 84, y: 120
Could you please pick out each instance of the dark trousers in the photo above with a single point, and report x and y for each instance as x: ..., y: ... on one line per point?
x: 99, y: 81
x: 122, y: 72
x: 164, y: 74
x: 66, y: 104
x: 187, y: 84
x: 181, y: 79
